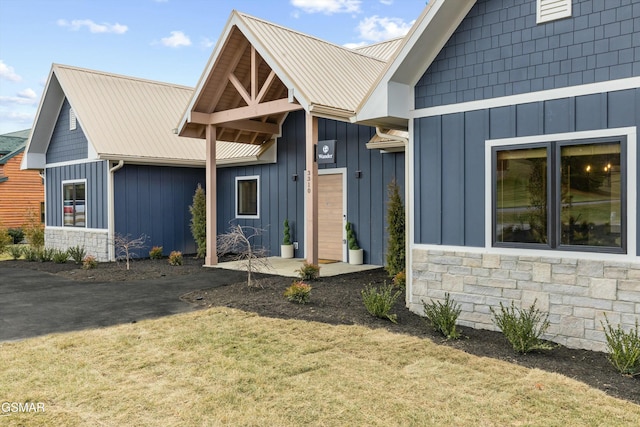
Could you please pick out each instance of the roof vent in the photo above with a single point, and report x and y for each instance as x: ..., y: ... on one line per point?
x: 550, y: 10
x: 72, y: 119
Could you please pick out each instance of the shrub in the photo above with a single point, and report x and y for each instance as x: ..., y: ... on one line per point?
x: 15, y: 251
x: 380, y: 302
x: 299, y: 292
x: 523, y: 328
x: 16, y: 234
x: 395, y: 228
x: 198, y: 212
x: 89, y: 262
x: 175, y: 258
x: 352, y: 241
x: 623, y: 348
x: 77, y: 253
x: 45, y: 254
x: 59, y: 256
x: 443, y: 316
x: 5, y: 240
x: 155, y: 252
x: 400, y: 280
x: 31, y: 254
x: 308, y: 271
x: 286, y: 233
x: 34, y: 231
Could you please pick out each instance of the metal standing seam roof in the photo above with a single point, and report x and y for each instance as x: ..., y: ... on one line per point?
x: 134, y: 119
x: 326, y: 74
x: 383, y: 50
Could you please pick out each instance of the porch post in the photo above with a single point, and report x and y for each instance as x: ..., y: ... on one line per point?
x: 311, y: 190
x: 211, y: 192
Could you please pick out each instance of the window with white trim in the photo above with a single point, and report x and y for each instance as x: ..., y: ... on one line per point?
x: 247, y: 197
x: 566, y: 195
x: 550, y: 10
x: 74, y: 199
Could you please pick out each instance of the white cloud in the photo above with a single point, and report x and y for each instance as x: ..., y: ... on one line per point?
x: 19, y: 100
x: 176, y: 39
x: 328, y: 7
x: 207, y: 43
x: 355, y: 45
x: 377, y: 28
x: 17, y: 117
x: 28, y: 93
x: 387, y: 2
x: 93, y: 27
x: 8, y: 73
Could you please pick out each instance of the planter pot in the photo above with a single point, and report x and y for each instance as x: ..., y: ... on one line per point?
x: 286, y: 251
x: 356, y: 256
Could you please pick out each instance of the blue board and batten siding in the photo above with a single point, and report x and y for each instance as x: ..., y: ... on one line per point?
x: 154, y: 201
x: 281, y: 197
x: 499, y: 50
x: 67, y: 145
x: 95, y: 174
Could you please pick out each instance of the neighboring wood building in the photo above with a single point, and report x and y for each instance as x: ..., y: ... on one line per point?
x: 523, y: 119
x: 113, y: 164
x: 21, y: 192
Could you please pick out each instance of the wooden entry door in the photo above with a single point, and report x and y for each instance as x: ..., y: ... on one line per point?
x: 330, y: 217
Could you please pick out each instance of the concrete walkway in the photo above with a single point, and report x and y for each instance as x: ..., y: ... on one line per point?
x: 288, y: 267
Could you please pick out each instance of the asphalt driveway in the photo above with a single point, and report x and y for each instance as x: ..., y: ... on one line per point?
x: 36, y: 303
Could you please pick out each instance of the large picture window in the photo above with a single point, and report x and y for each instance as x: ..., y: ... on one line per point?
x: 560, y: 195
x: 247, y: 199
x: 74, y: 202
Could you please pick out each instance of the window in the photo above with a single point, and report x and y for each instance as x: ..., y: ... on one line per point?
x: 560, y: 195
x: 550, y: 10
x: 74, y: 202
x: 247, y: 200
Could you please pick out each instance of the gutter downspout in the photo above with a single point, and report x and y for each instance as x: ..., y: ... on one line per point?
x: 407, y: 204
x: 111, y: 203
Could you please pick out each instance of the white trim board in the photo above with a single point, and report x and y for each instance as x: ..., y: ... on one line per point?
x: 526, y: 98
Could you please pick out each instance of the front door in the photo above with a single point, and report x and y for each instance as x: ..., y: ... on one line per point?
x: 330, y: 217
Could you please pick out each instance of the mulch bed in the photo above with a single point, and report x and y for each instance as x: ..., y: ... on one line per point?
x: 337, y: 300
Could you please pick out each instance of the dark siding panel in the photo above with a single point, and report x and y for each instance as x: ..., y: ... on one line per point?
x: 154, y: 201
x: 453, y: 176
x: 429, y: 173
x: 502, y: 122
x: 66, y: 145
x: 476, y: 132
x: 529, y: 119
x: 559, y: 115
x: 591, y: 112
x: 620, y: 115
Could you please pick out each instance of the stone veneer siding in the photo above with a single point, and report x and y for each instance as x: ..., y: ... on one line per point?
x: 575, y: 292
x: 95, y: 242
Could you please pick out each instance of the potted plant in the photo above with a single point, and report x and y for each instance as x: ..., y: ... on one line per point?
x: 355, y: 252
x: 286, y: 249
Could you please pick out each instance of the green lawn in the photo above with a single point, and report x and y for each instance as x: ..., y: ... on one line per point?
x: 227, y: 367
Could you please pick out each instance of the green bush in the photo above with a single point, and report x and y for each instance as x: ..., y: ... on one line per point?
x: 34, y: 231
x: 308, y: 271
x: 380, y: 302
x: 59, y: 256
x: 15, y: 251
x: 155, y: 252
x: 89, y: 262
x: 77, y: 254
x: 299, y: 292
x: 443, y: 316
x: 396, y: 231
x: 286, y: 233
x: 45, y: 254
x: 400, y: 280
x: 16, y: 234
x: 199, y: 221
x: 523, y: 328
x: 175, y: 258
x: 623, y: 348
x: 31, y: 254
x: 352, y: 240
x: 5, y: 240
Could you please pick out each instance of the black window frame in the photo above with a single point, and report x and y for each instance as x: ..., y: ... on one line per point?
x: 554, y: 194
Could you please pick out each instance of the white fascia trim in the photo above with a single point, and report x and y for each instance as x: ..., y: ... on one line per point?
x: 72, y: 162
x: 525, y: 98
x: 409, y: 214
x: 82, y: 229
x: 632, y: 188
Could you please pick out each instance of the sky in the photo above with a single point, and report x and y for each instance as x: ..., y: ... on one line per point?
x: 164, y: 40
